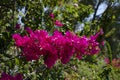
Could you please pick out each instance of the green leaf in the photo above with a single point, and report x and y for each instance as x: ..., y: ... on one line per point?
x: 17, y: 61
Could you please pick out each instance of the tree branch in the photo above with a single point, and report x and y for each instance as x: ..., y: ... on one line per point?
x: 96, y: 9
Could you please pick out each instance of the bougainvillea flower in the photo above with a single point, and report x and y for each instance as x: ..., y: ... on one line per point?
x: 18, y: 39
x: 52, y: 15
x: 107, y: 60
x: 56, y: 46
x: 50, y: 59
x: 31, y: 51
x: 17, y: 26
x: 116, y: 62
x: 99, y: 33
x: 58, y: 23
x: 5, y: 76
x: 81, y: 45
x: 29, y: 30
x: 103, y: 43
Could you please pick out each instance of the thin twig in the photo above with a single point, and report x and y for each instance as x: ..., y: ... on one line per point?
x: 96, y: 9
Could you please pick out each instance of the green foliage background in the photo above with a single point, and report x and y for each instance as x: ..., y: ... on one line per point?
x: 69, y: 12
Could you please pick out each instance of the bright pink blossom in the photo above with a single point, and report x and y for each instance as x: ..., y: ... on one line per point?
x: 58, y: 23
x: 52, y: 15
x: 56, y: 46
x: 18, y: 39
x: 29, y: 30
x: 99, y: 33
x: 50, y: 59
x: 93, y: 47
x: 81, y: 45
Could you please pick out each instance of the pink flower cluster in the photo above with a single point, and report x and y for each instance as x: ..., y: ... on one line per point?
x: 52, y: 15
x: 115, y: 62
x: 57, y: 46
x: 56, y: 22
x: 5, y: 76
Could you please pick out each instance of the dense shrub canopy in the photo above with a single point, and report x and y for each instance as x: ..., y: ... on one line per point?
x: 36, y: 36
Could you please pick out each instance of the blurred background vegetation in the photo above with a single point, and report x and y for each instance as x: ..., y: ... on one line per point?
x: 79, y: 16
